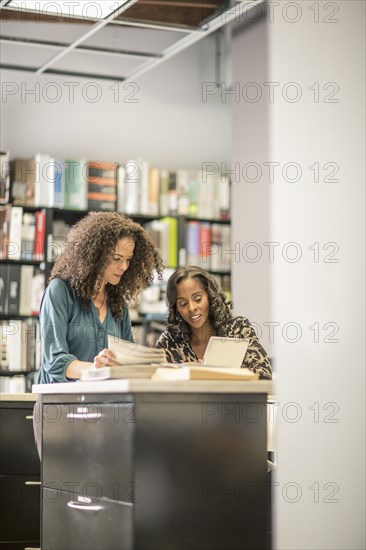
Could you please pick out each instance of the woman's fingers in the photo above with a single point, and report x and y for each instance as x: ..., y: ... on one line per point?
x: 104, y: 357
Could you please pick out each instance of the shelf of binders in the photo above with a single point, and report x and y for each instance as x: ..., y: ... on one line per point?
x: 207, y: 244
x: 22, y: 282
x: 20, y: 346
x: 161, y: 199
x: 22, y: 254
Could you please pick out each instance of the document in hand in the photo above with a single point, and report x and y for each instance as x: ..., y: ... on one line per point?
x: 135, y: 361
x: 129, y: 353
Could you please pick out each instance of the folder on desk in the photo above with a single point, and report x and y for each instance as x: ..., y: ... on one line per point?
x: 204, y: 373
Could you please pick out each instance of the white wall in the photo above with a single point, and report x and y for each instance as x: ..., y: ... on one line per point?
x: 328, y: 456
x: 320, y: 480
x: 168, y: 125
x: 250, y: 186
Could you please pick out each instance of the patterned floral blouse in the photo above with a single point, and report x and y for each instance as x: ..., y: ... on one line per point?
x: 178, y: 350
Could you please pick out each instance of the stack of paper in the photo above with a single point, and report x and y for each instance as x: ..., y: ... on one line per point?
x: 129, y: 353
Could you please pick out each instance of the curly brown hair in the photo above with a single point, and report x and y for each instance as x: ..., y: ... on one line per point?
x: 220, y: 305
x: 88, y: 251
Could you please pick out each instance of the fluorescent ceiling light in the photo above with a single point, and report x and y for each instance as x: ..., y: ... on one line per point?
x: 80, y: 8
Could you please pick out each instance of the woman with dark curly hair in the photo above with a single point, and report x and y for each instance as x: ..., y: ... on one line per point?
x: 199, y: 309
x: 108, y: 259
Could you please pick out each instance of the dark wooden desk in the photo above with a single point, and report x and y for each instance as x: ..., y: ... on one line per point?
x: 183, y: 467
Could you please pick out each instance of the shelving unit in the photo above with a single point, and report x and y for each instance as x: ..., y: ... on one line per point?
x: 168, y: 227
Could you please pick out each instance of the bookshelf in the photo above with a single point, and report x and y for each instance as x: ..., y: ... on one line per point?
x: 189, y: 224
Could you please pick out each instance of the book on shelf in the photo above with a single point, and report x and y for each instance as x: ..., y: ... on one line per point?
x: 21, y: 233
x: 102, y: 185
x: 192, y: 241
x: 15, y: 349
x: 75, y: 182
x: 60, y: 231
x: 131, y: 187
x: 224, y: 198
x: 58, y: 184
x: 44, y: 171
x: 20, y: 345
x: 21, y: 289
x: 164, y: 192
x: 151, y: 204
x: 102, y: 173
x: 5, y: 211
x: 173, y: 193
x: 12, y: 384
x: 4, y: 177
x: 172, y: 255
x: 205, y: 245
x: 4, y: 359
x: 193, y: 194
x: 23, y: 180
x: 25, y: 299
x: 15, y: 233
x: 40, y: 235
x: 222, y: 251
x: 208, y: 200
x: 12, y: 298
x: 38, y: 285
x: 183, y: 192
x: 143, y: 186
x: 121, y: 191
x: 164, y: 234
x: 158, y: 232
x: 4, y: 287
x: 28, y: 232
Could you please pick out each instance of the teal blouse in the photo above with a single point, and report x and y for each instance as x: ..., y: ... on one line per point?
x: 68, y: 332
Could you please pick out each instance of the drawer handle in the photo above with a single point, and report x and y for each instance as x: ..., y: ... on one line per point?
x: 32, y: 483
x: 84, y: 416
x: 29, y: 417
x: 86, y: 507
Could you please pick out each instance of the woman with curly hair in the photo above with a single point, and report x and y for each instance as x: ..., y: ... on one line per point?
x: 108, y: 259
x: 199, y: 309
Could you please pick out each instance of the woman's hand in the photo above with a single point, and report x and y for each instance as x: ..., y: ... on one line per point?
x: 104, y: 358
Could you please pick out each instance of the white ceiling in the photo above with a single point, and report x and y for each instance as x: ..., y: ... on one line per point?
x: 69, y: 38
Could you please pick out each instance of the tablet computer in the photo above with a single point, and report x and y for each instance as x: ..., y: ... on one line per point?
x: 224, y: 352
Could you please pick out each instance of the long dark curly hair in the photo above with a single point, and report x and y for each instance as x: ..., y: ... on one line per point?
x: 89, y: 248
x: 219, y: 305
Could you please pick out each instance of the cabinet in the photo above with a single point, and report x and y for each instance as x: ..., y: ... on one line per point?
x: 19, y: 477
x: 149, y: 471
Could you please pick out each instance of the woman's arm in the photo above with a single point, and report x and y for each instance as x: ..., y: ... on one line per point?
x: 163, y: 343
x: 58, y: 334
x: 256, y: 358
x: 103, y: 359
x: 56, y: 310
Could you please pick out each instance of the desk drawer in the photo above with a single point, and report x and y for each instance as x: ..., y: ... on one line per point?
x: 89, y: 449
x: 18, y: 453
x: 78, y: 524
x: 19, y: 508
